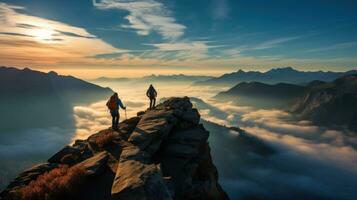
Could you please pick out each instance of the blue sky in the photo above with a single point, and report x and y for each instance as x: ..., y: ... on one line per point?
x: 200, y: 36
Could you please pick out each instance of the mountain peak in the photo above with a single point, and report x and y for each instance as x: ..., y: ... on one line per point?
x: 282, y: 70
x: 240, y: 71
x: 52, y: 73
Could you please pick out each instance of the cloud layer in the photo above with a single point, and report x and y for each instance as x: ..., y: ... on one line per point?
x: 30, y: 40
x: 146, y: 17
x: 309, y: 162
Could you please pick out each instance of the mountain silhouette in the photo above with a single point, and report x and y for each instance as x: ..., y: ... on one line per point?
x: 331, y: 103
x: 176, y: 78
x: 262, y: 95
x: 273, y: 76
x: 324, y: 103
x: 33, y: 99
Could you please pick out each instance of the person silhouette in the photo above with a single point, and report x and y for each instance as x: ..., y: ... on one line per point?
x: 113, y: 105
x: 152, y: 94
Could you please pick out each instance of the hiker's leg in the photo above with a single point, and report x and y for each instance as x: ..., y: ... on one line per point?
x: 150, y: 103
x: 154, y: 103
x: 116, y: 119
x: 113, y: 119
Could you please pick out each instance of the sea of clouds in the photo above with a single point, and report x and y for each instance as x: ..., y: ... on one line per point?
x: 309, y: 162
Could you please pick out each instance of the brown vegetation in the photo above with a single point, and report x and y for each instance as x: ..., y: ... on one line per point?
x: 56, y: 184
x: 105, y: 139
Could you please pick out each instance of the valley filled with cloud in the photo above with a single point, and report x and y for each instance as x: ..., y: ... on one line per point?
x: 305, y: 160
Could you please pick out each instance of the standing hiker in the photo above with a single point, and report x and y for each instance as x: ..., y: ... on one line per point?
x: 152, y: 94
x: 113, y: 105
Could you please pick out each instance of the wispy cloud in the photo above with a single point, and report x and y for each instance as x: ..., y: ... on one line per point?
x: 344, y: 45
x: 146, y: 17
x: 30, y: 40
x: 195, y: 49
x: 274, y: 42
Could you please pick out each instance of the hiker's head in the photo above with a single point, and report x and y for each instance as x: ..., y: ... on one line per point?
x: 115, y: 95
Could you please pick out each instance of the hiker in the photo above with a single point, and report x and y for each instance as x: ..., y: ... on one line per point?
x: 113, y: 105
x: 152, y: 94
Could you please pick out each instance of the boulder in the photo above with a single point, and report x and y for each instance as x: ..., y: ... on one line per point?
x: 152, y: 128
x: 176, y: 103
x: 191, y: 116
x: 68, y: 155
x: 180, y: 150
x: 138, y: 181
x: 94, y: 165
x: 193, y: 136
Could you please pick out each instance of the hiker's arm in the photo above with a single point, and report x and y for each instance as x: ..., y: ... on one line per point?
x: 121, y: 104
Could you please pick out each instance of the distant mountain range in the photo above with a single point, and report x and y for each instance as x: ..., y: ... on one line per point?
x: 23, y: 83
x: 157, y: 78
x: 262, y: 95
x: 273, y: 76
x: 324, y: 103
x: 32, y: 99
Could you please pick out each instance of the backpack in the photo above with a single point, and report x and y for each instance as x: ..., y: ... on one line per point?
x: 152, y: 92
x: 112, y: 104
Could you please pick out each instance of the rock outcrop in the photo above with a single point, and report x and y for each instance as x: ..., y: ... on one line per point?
x: 160, y: 154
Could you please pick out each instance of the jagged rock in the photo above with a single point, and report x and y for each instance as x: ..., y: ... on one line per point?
x: 155, y: 124
x: 68, y: 155
x: 180, y: 150
x: 176, y: 103
x: 140, y: 113
x: 193, y: 136
x: 136, y: 180
x: 161, y: 154
x: 191, y: 116
x: 95, y: 164
x: 84, y: 147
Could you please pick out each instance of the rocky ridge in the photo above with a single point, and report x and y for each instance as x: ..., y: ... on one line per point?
x: 160, y: 154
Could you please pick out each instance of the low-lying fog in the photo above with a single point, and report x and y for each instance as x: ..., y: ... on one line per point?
x: 308, y: 162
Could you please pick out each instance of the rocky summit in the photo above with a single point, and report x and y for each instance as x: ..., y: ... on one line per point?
x: 159, y: 154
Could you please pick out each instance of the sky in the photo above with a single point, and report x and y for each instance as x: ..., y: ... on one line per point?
x: 92, y: 38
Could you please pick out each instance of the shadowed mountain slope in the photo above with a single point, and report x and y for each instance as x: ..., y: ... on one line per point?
x: 32, y: 99
x: 262, y: 95
x: 333, y: 103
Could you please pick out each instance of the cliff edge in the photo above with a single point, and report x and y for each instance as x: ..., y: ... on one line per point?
x: 160, y: 154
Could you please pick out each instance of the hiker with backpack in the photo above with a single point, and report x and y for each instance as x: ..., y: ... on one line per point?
x: 113, y: 105
x: 152, y: 94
